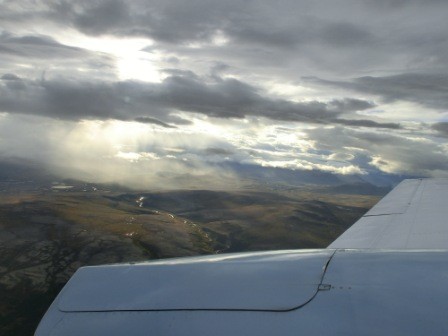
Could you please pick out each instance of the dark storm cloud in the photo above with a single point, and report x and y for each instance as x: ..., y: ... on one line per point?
x: 97, y: 17
x: 218, y: 151
x: 148, y: 120
x: 397, y: 4
x: 10, y: 77
x: 366, y: 123
x: 343, y: 34
x: 231, y: 98
x: 199, y: 20
x: 350, y: 104
x: 294, y: 38
x: 37, y: 46
x: 152, y: 102
x: 33, y: 55
x: 426, y: 89
x: 441, y: 127
x: 167, y: 21
x: 60, y: 99
x: 241, y: 21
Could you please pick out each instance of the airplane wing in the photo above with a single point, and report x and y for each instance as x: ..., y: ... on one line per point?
x: 412, y: 216
x: 386, y: 275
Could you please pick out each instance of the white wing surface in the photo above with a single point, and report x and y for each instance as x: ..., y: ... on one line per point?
x: 412, y: 216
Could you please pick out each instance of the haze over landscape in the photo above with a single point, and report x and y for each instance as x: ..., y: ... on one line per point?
x: 133, y: 130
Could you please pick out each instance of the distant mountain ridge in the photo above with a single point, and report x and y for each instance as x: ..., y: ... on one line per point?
x: 314, y: 177
x: 374, y: 183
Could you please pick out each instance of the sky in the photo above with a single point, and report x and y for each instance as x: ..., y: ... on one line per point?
x: 150, y: 93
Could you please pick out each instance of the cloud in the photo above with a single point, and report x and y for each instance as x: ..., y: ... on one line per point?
x: 341, y: 157
x: 350, y: 34
x: 218, y: 151
x: 148, y: 120
x: 259, y: 39
x: 236, y: 69
x: 441, y: 128
x: 11, y: 77
x: 154, y: 102
x: 366, y: 123
x: 96, y: 17
x: 39, y: 46
x: 344, y: 34
x: 127, y: 153
x: 424, y: 88
x: 390, y: 153
x: 34, y: 55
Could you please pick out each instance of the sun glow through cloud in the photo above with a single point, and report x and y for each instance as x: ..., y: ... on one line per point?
x: 132, y: 62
